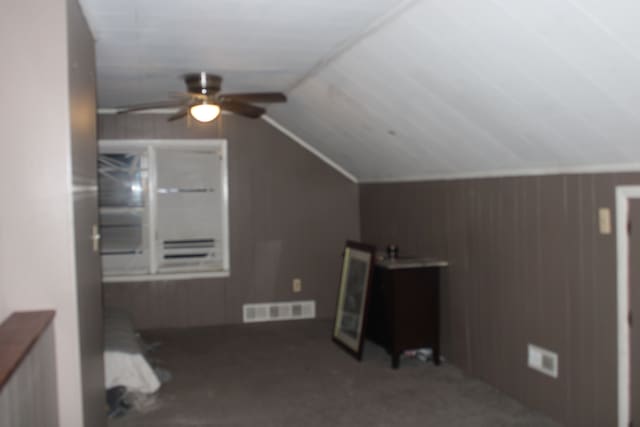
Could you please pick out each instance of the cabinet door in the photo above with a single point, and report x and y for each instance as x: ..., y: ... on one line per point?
x: 415, y: 308
x: 378, y: 316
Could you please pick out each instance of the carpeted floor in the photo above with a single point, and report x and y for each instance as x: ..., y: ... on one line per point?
x: 290, y: 374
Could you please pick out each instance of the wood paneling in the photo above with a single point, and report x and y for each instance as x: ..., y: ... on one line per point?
x: 527, y: 265
x: 28, y: 397
x: 18, y: 334
x: 290, y: 214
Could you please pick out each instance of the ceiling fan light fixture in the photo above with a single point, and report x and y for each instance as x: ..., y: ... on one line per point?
x: 204, y: 102
x: 205, y: 112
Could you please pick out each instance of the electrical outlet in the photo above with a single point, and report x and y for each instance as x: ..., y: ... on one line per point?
x: 542, y: 360
x: 296, y: 285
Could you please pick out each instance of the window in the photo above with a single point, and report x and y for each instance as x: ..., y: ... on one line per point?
x: 163, y: 209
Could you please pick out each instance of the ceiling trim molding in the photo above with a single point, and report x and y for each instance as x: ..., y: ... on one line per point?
x: 304, y: 144
x: 568, y: 170
x: 150, y: 111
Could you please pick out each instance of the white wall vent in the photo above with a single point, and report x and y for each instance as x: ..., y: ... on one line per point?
x: 272, y: 311
x: 543, y: 360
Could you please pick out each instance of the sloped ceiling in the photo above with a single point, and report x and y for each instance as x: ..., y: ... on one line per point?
x: 473, y: 88
x: 143, y: 47
x: 440, y: 88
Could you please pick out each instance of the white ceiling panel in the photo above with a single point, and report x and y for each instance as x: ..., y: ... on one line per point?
x: 404, y: 89
x: 480, y: 88
x: 144, y: 46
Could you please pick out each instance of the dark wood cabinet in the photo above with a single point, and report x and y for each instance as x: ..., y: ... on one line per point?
x: 404, y: 307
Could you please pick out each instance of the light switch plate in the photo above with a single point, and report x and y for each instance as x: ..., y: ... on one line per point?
x: 604, y: 220
x: 297, y: 285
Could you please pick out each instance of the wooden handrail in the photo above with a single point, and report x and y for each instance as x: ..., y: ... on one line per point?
x: 18, y: 334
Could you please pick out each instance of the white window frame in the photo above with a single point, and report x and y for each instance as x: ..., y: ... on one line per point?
x: 192, y: 144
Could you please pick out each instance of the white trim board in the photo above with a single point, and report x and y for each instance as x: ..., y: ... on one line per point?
x: 552, y: 170
x: 623, y: 194
x: 304, y: 144
x: 165, y: 277
x: 149, y: 111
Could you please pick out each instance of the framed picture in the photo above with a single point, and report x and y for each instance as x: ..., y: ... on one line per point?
x: 353, y: 296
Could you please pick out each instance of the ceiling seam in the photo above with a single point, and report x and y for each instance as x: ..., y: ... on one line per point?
x: 304, y: 144
x: 348, y: 43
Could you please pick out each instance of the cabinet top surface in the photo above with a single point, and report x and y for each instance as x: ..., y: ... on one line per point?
x: 400, y: 263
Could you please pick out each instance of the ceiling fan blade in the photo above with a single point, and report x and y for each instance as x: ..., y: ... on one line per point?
x: 179, y: 114
x: 267, y: 97
x: 243, y: 109
x: 151, y: 105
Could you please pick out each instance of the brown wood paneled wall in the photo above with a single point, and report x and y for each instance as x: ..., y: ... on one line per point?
x: 28, y: 395
x: 290, y: 214
x: 527, y: 265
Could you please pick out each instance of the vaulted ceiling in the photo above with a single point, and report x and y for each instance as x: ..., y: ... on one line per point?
x: 143, y: 47
x: 393, y: 90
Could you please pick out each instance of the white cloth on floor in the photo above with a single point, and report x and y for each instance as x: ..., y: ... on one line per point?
x: 124, y: 361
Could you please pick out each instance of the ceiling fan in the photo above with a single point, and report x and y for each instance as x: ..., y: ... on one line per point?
x: 204, y: 102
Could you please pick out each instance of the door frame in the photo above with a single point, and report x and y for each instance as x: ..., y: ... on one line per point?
x: 623, y: 195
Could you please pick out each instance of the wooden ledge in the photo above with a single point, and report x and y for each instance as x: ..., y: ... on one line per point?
x: 18, y: 334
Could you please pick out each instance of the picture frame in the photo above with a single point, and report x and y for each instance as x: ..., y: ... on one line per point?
x: 353, y: 297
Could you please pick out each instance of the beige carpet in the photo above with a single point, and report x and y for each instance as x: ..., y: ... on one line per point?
x: 290, y: 374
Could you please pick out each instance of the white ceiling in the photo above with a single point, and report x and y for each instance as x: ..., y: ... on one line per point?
x: 444, y: 88
x: 144, y: 46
